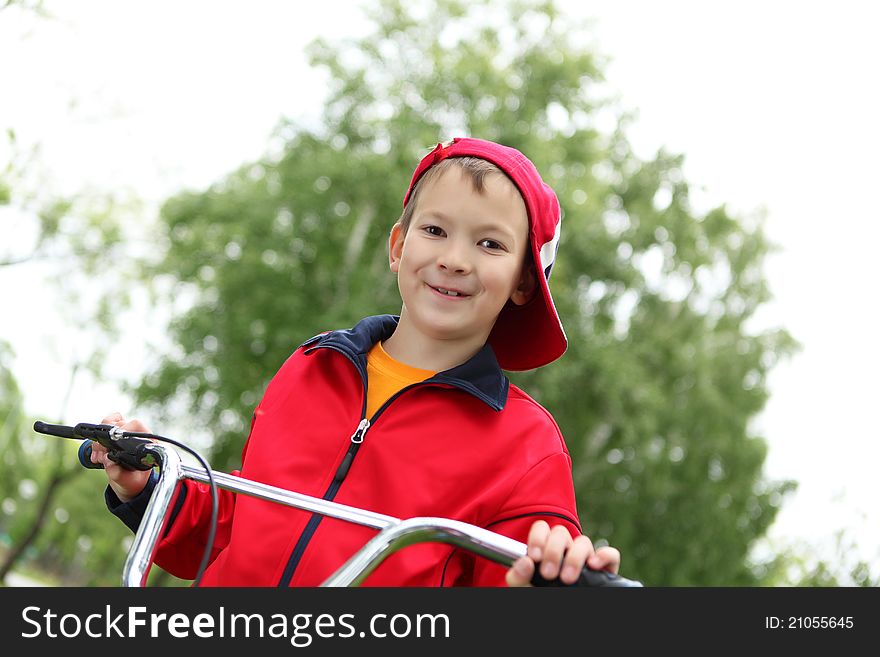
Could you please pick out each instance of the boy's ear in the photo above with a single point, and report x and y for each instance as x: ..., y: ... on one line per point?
x: 528, y: 283
x: 395, y: 247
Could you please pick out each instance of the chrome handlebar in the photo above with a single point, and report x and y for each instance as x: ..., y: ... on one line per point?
x: 393, y: 535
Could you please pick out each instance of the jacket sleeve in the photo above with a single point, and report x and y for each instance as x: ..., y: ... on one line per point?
x: 545, y: 492
x: 180, y: 549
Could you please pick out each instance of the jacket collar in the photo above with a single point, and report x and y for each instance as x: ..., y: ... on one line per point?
x: 481, y: 376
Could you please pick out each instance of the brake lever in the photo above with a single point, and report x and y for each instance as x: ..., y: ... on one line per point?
x: 129, y: 452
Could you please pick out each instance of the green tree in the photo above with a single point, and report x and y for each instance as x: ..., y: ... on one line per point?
x: 45, y: 517
x: 48, y: 521
x: 836, y: 564
x: 12, y: 422
x: 662, y: 374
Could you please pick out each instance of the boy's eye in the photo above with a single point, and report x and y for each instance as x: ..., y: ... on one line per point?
x: 434, y: 230
x: 491, y: 244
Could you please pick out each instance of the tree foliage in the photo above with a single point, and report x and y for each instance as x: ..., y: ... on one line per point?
x: 662, y: 376
x: 47, y: 502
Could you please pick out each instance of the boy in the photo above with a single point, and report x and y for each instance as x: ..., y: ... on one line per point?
x: 410, y: 416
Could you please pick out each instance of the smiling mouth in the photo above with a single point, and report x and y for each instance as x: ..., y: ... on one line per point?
x: 452, y: 294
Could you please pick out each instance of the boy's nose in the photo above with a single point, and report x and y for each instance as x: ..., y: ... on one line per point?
x: 454, y: 259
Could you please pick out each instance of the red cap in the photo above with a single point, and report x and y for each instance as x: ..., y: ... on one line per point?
x: 528, y: 336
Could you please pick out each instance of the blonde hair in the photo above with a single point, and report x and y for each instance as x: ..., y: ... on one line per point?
x: 475, y: 167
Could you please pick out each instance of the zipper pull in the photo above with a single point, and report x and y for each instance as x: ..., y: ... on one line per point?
x: 342, y: 470
x: 358, y: 435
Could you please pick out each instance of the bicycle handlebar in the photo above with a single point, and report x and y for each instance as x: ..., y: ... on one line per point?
x: 138, y: 453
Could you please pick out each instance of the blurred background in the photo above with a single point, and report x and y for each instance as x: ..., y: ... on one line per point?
x: 189, y: 190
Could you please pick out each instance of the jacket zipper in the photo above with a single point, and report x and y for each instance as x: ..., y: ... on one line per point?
x: 356, y: 439
x: 355, y: 442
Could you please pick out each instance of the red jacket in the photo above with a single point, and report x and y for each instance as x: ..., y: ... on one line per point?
x: 464, y: 444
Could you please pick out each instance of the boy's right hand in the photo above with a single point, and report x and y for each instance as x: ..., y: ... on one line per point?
x: 127, y: 484
x: 560, y: 556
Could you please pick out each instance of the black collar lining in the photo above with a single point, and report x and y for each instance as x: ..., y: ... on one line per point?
x: 481, y: 376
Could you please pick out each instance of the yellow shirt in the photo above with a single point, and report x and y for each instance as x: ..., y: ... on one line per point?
x: 386, y: 376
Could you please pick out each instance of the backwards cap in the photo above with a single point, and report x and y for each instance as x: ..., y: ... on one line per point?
x: 528, y: 336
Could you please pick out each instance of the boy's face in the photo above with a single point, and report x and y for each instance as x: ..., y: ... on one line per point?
x: 462, y: 257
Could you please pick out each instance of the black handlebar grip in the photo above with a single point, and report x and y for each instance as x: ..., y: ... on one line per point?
x: 85, y: 456
x: 588, y: 577
x: 60, y: 430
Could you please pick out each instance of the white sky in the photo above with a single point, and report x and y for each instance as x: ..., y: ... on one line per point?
x: 775, y: 105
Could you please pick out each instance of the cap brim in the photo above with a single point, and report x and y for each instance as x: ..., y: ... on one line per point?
x: 531, y: 335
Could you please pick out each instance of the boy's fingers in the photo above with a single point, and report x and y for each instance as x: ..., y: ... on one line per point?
x: 100, y: 455
x: 97, y: 451
x: 118, y: 420
x: 135, y: 425
x: 557, y: 543
x: 520, y: 573
x: 537, y: 538
x: 113, y: 418
x: 575, y: 558
x: 605, y: 558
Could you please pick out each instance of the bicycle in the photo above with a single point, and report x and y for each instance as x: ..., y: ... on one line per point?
x: 136, y: 450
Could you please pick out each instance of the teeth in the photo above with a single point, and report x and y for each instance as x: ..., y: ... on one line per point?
x: 447, y: 292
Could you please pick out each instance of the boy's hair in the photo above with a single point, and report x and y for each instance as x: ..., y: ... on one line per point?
x: 529, y: 335
x: 476, y: 168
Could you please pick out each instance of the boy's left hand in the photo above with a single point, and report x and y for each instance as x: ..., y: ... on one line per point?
x: 546, y: 547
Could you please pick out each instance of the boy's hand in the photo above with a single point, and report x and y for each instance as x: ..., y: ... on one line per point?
x: 546, y: 547
x: 127, y: 484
